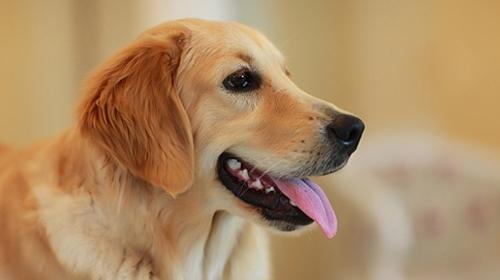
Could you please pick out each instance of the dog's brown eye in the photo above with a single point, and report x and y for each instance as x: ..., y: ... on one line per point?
x: 242, y: 80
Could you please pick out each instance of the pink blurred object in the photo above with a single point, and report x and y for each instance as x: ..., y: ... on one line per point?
x: 437, y: 205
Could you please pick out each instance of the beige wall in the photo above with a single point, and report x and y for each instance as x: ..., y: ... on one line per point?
x: 36, y: 77
x: 435, y: 63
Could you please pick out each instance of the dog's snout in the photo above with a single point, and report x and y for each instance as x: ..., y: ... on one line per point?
x: 347, y: 130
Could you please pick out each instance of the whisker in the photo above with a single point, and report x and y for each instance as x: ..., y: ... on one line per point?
x: 270, y: 167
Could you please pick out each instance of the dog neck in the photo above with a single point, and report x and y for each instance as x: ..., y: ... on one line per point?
x: 184, y: 237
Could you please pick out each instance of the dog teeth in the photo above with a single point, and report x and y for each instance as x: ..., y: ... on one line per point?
x: 234, y: 164
x: 257, y: 184
x: 244, y: 175
x: 293, y: 203
x: 270, y: 189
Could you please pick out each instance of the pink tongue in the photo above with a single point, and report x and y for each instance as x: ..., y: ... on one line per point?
x: 311, y: 199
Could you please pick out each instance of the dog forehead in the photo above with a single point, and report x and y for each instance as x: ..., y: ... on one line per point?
x: 232, y: 39
x: 218, y: 35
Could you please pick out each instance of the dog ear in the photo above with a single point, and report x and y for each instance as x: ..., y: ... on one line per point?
x: 133, y: 113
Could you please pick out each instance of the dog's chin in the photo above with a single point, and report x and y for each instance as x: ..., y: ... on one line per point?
x: 259, y: 196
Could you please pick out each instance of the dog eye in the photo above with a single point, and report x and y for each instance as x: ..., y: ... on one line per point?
x: 242, y: 80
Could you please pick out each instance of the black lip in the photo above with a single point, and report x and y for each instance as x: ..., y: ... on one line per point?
x: 273, y: 206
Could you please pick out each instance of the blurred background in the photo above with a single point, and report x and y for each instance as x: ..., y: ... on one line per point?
x: 421, y: 197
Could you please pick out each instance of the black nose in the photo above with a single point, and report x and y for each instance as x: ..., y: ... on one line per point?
x: 347, y: 130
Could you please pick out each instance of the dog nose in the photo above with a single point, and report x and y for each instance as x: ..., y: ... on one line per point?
x: 347, y: 130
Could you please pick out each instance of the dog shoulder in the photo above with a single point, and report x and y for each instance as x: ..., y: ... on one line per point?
x: 25, y: 252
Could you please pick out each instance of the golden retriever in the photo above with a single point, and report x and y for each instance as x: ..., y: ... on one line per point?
x: 188, y: 143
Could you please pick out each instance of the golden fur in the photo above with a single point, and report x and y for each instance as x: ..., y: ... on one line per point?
x: 130, y: 191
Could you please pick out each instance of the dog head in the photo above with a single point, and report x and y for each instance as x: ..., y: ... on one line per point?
x: 209, y: 107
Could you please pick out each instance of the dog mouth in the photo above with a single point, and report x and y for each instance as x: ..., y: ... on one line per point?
x: 287, y: 202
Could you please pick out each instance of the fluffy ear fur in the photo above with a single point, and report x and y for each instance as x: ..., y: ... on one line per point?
x: 133, y: 113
